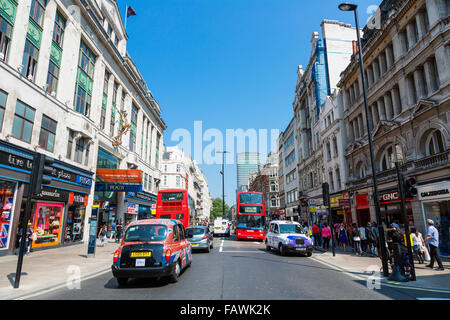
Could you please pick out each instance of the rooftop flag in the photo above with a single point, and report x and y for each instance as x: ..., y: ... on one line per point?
x: 130, y: 11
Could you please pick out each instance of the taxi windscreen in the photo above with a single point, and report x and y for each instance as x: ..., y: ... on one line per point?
x: 291, y: 228
x: 144, y: 233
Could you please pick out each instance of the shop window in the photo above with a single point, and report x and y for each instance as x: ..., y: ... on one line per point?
x: 23, y: 122
x: 3, y: 96
x: 48, y: 133
x: 30, y: 60
x: 73, y: 231
x: 435, y: 143
x: 7, y: 190
x: 5, y: 38
x: 47, y: 222
x: 439, y: 212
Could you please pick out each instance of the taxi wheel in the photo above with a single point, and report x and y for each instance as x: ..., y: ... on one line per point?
x: 122, y: 281
x: 176, y: 273
x: 309, y: 254
x: 282, y: 250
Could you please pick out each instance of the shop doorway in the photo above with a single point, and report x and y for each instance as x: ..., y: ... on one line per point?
x: 363, y: 217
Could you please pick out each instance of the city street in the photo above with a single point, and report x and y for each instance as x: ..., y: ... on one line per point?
x: 243, y: 270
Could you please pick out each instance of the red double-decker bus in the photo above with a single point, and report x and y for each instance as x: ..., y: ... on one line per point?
x: 176, y: 204
x: 250, y: 216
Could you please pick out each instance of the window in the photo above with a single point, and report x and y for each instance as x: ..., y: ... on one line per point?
x: 29, y: 61
x: 58, y: 32
x: 158, y: 139
x: 435, y: 143
x: 328, y: 151
x: 178, y: 168
x: 272, y: 187
x: 165, y: 180
x: 331, y: 181
x: 3, y: 96
x: 134, y: 115
x: 23, y: 122
x: 175, y: 234
x: 273, y: 202
x: 388, y: 157
x: 178, y: 180
x: 48, y: 133
x: 79, y: 148
x: 335, y: 147
x: 83, y: 90
x: 338, y: 178
x: 52, y: 77
x: 37, y: 11
x: 70, y: 144
x: 5, y: 38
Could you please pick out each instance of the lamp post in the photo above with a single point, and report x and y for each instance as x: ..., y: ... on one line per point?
x: 354, y: 8
x: 223, y: 181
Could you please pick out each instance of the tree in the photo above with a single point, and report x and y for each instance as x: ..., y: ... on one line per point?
x: 217, y: 209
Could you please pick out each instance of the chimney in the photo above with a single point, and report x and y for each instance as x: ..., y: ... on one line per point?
x: 355, y: 47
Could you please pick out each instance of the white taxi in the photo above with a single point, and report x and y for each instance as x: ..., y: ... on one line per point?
x: 288, y: 236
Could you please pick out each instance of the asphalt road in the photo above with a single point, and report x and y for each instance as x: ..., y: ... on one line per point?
x: 238, y: 270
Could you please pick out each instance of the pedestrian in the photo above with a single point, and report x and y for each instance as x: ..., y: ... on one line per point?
x: 371, y: 238
x: 102, y: 235
x: 113, y: 230
x: 356, y: 236
x: 418, y: 244
x: 343, y: 237
x: 316, y: 235
x: 119, y: 228
x: 326, y: 236
x: 362, y: 231
x: 433, y: 241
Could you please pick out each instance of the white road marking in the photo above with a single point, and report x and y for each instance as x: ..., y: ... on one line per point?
x: 248, y: 251
x: 61, y: 286
x: 221, y: 245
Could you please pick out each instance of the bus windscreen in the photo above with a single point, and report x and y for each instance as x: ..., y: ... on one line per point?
x: 172, y: 196
x: 251, y: 198
x: 250, y: 222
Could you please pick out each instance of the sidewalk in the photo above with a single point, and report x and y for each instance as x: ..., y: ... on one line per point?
x: 49, y: 268
x: 358, y: 266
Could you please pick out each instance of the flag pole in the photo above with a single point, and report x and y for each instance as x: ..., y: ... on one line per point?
x: 126, y: 14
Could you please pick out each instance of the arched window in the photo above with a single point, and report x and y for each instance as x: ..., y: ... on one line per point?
x: 388, y: 158
x: 435, y: 143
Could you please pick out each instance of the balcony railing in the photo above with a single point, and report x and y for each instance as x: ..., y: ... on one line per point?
x: 432, y: 161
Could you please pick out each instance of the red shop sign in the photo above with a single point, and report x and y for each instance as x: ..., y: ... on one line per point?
x: 362, y: 201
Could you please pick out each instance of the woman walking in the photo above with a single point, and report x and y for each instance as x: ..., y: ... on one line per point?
x: 418, y: 244
x: 326, y: 236
x: 102, y: 235
x: 356, y: 235
x: 343, y: 237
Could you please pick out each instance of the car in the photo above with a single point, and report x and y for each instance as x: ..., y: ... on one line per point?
x: 288, y: 237
x: 156, y: 248
x: 202, y: 238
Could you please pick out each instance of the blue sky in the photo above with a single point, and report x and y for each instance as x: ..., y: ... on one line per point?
x: 229, y: 63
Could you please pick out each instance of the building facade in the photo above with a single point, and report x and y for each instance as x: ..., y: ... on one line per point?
x: 247, y: 164
x: 329, y: 57
x: 408, y: 76
x: 179, y: 171
x: 69, y: 90
x: 266, y: 181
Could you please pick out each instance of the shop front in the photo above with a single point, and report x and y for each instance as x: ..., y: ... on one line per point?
x: 337, y: 212
x: 7, y: 199
x: 435, y: 202
x: 390, y: 208
x: 110, y: 185
x: 146, y: 204
x: 362, y: 209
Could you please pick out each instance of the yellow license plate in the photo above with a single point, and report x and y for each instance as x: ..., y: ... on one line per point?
x: 141, y: 254
x: 195, y: 245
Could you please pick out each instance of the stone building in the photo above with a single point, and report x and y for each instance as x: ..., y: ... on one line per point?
x: 408, y: 75
x: 69, y: 90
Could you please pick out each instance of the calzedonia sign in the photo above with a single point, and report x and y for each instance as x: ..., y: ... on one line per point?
x: 434, y: 191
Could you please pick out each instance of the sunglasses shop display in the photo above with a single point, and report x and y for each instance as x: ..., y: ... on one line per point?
x: 47, y: 224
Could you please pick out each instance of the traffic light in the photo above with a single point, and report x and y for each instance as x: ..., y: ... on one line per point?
x: 326, y: 194
x: 410, y: 189
x: 44, y: 170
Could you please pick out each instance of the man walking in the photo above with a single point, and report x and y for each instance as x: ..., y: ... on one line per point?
x: 433, y: 241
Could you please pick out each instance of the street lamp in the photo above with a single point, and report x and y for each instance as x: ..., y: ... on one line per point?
x: 354, y: 8
x: 223, y: 181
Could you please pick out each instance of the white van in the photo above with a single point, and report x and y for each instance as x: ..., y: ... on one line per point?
x: 221, y: 227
